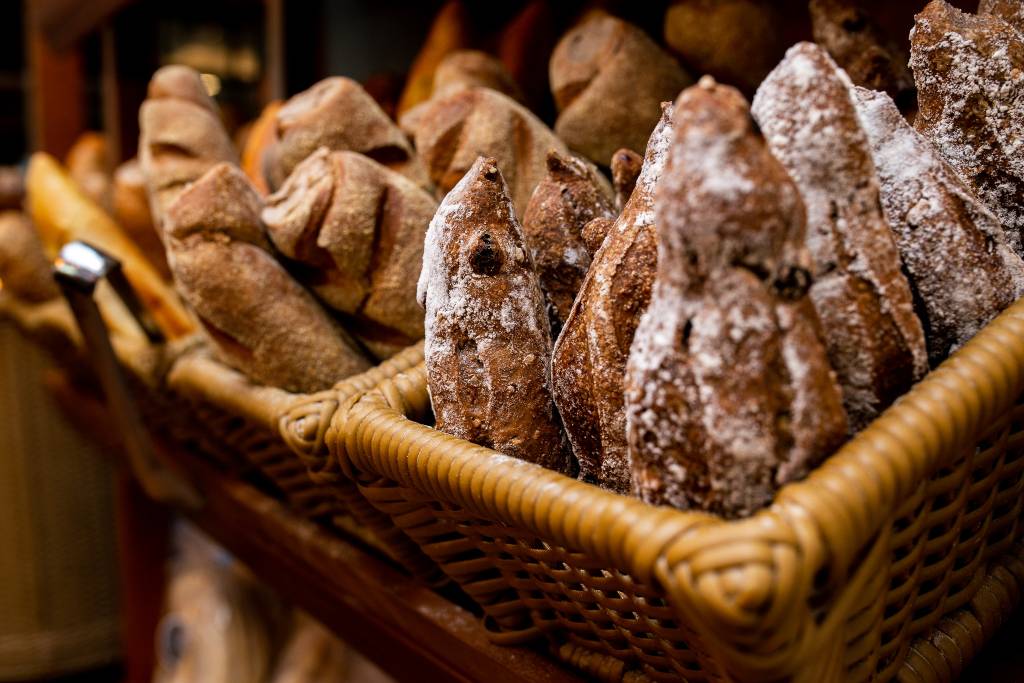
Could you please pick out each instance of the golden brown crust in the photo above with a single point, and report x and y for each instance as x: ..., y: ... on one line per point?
x: 875, y: 340
x: 338, y: 114
x: 487, y: 346
x: 956, y: 256
x: 736, y: 41
x: 970, y: 81
x: 870, y: 58
x: 261, y: 138
x: 89, y: 165
x: 589, y: 359
x: 451, y: 132
x: 609, y: 80
x: 448, y: 32
x: 728, y: 390
x: 566, y: 200
x: 181, y: 135
x: 260, y: 320
x: 358, y: 229
x: 24, y: 269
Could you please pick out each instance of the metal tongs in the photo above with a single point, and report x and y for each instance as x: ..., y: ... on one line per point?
x: 78, y: 269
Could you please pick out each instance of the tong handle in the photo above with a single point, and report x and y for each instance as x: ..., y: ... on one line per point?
x: 78, y: 270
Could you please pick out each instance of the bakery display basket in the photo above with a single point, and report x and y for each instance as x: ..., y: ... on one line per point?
x: 895, y: 560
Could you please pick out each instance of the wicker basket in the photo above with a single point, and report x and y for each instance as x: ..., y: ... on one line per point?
x: 897, y: 558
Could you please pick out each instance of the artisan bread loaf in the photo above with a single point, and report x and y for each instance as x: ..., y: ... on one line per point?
x: 260, y: 320
x: 729, y: 392
x: 875, y: 340
x: 609, y: 80
x: 590, y: 355
x: 356, y: 228
x: 487, y: 346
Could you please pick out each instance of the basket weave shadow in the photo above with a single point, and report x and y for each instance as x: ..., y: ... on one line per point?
x: 896, y: 559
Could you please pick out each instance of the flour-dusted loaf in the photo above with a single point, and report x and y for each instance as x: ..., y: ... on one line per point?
x: 260, y: 320
x: 869, y: 57
x: 451, y: 132
x: 609, y: 80
x: 24, y: 269
x: 590, y: 355
x: 339, y: 114
x: 956, y: 256
x: 180, y: 135
x: 875, y: 341
x: 564, y: 202
x: 357, y: 229
x: 969, y: 72
x: 729, y: 393
x: 487, y: 346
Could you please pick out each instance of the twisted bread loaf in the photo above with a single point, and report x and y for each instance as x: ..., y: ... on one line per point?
x: 260, y: 320
x: 970, y: 83
x: 728, y: 390
x: 589, y: 358
x: 451, y: 132
x: 338, y: 114
x: 180, y: 136
x: 875, y: 341
x: 358, y: 229
x: 487, y: 346
x: 958, y: 262
x: 609, y: 80
x: 566, y: 199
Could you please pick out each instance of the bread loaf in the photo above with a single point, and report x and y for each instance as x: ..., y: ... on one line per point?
x: 451, y: 132
x: 130, y: 208
x: 468, y: 68
x: 180, y: 135
x: 357, y: 229
x: 959, y: 264
x: 259, y: 319
x: 609, y: 80
x: 566, y: 200
x: 736, y: 41
x: 589, y: 357
x: 626, y: 165
x: 875, y: 341
x: 728, y: 390
x: 24, y: 269
x: 89, y: 165
x: 487, y: 347
x: 870, y: 58
x: 338, y: 114
x: 970, y: 90
x: 1010, y: 11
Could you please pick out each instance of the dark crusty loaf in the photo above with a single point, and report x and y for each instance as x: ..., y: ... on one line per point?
x: 450, y: 132
x: 728, y: 389
x: 487, y: 346
x: 24, y: 268
x: 180, y: 135
x: 1010, y: 11
x: 357, y: 229
x: 875, y: 341
x: 566, y: 200
x: 869, y: 57
x: 589, y: 359
x: 970, y: 91
x: 338, y: 114
x: 260, y: 320
x: 609, y: 80
x: 959, y: 264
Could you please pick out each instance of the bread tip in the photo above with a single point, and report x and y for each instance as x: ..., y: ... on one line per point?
x: 706, y: 82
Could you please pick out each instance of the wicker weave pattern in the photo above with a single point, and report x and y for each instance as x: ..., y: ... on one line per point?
x: 852, y: 574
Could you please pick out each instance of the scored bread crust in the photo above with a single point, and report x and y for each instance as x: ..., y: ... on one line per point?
x: 260, y: 320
